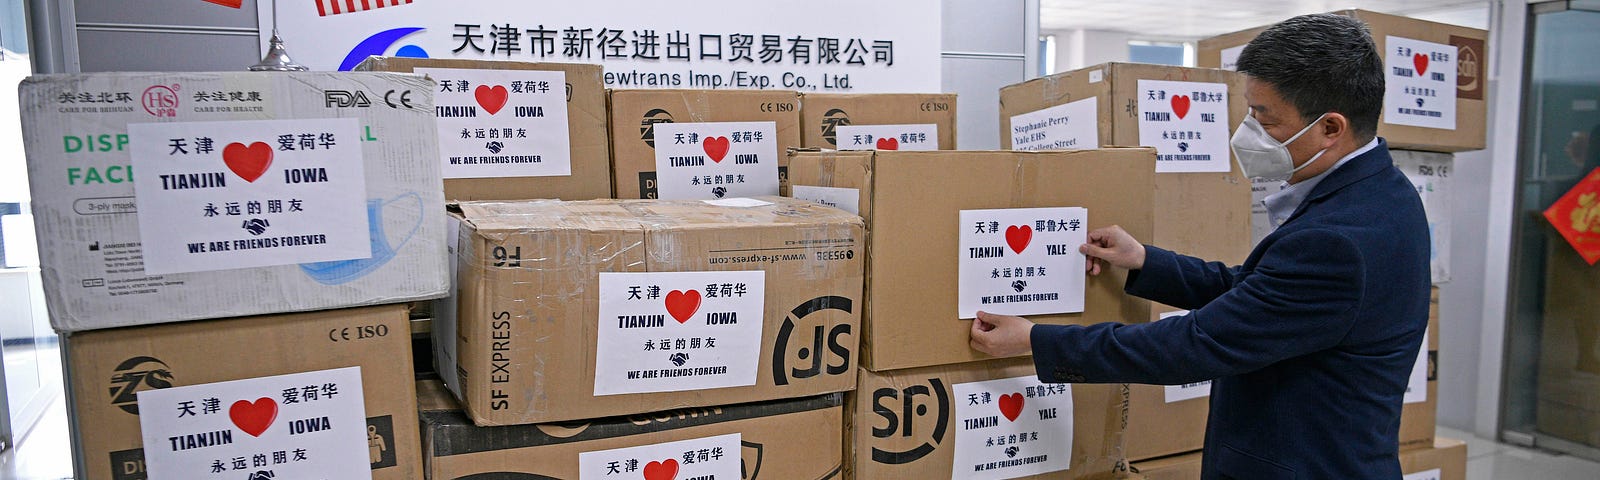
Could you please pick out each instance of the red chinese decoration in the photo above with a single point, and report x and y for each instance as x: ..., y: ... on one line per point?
x: 1577, y: 216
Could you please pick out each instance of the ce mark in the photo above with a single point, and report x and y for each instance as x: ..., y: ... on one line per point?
x: 404, y: 97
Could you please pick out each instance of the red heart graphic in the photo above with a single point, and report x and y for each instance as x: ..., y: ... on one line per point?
x: 1421, y: 62
x: 249, y: 162
x: 1018, y: 236
x: 254, y: 418
x: 666, y: 470
x: 715, y: 147
x: 1180, y: 106
x: 1011, y: 406
x: 682, y: 305
x: 492, y: 99
x: 888, y: 144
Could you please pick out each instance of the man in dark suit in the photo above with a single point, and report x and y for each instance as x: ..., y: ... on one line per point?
x: 1311, y: 340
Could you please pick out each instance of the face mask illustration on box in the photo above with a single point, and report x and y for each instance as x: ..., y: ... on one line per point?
x: 344, y: 271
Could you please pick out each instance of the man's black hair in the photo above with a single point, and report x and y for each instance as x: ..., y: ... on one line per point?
x: 1321, y: 63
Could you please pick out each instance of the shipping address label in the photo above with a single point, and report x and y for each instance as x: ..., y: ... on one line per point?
x: 706, y: 161
x: 710, y: 458
x: 677, y: 331
x: 1187, y: 123
x: 1021, y: 261
x: 1012, y: 427
x: 1072, y: 126
x: 501, y: 123
x: 303, y: 425
x: 241, y: 194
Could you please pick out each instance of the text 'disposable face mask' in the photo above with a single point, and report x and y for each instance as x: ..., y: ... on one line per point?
x: 343, y: 271
x: 1264, y: 157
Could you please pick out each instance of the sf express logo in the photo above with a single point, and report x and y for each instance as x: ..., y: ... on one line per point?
x: 805, y: 334
x: 901, y: 409
x: 135, y: 375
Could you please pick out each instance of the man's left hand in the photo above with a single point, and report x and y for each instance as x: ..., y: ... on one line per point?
x: 1002, y: 335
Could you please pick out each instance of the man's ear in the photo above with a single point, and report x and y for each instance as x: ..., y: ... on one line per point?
x: 1334, y: 127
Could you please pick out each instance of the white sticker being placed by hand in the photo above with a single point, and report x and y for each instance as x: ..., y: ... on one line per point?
x: 302, y: 425
x: 1012, y: 427
x: 1072, y: 126
x: 501, y: 123
x: 1021, y: 261
x: 706, y: 161
x: 1420, y: 88
x: 847, y: 199
x: 718, y: 457
x: 910, y: 138
x: 1417, y: 384
x: 1187, y: 123
x: 257, y: 193
x: 677, y: 331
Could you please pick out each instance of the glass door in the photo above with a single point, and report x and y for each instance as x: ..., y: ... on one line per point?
x: 1553, y: 352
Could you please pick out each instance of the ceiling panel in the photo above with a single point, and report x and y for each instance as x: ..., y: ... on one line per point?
x: 1193, y: 20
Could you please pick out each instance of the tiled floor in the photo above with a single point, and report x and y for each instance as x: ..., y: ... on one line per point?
x: 44, y: 455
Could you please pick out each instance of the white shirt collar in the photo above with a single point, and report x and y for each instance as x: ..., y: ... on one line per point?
x: 1283, y: 204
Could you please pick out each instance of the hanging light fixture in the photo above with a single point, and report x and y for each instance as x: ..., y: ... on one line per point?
x: 277, y: 58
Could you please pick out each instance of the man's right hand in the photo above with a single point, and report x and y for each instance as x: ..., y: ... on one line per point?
x: 1114, y: 246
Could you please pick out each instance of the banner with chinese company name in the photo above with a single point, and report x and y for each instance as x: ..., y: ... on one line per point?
x: 879, y: 47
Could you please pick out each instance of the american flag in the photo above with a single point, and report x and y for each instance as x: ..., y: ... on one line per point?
x: 335, y: 7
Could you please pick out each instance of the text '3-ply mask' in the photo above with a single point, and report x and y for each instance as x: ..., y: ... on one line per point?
x: 1261, y: 156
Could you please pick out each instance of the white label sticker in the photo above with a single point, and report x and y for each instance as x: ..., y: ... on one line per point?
x: 1012, y: 427
x: 1417, y: 385
x: 676, y: 331
x: 910, y: 138
x: 1230, y: 58
x: 1073, y: 126
x: 709, y: 458
x: 1095, y: 76
x: 1187, y: 123
x: 1425, y: 475
x: 704, y: 161
x: 1022, y: 261
x: 1421, y: 83
x: 302, y: 425
x: 740, y: 202
x: 847, y: 199
x: 500, y: 123
x: 225, y: 195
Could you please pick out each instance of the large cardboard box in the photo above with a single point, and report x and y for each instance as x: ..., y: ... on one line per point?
x: 1419, y: 415
x: 912, y: 203
x: 528, y: 338
x: 635, y: 113
x: 916, y: 423
x: 587, y: 121
x: 106, y: 369
x: 822, y: 114
x: 1177, y: 467
x: 1569, y: 360
x: 76, y: 129
x: 1411, y: 48
x: 780, y: 439
x: 1445, y: 459
x: 1166, y: 420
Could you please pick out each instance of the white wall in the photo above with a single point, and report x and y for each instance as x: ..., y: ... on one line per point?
x: 1077, y: 49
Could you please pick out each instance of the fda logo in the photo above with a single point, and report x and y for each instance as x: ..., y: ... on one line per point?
x: 345, y: 99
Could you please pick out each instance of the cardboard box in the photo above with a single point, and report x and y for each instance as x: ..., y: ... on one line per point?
x: 634, y: 114
x: 822, y: 113
x: 107, y: 368
x: 781, y: 439
x: 527, y: 337
x: 1471, y: 58
x: 1177, y: 467
x: 914, y: 423
x: 1445, y: 460
x: 1569, y: 348
x: 912, y: 203
x: 76, y: 131
x: 1418, y: 417
x: 1158, y: 427
x: 586, y: 124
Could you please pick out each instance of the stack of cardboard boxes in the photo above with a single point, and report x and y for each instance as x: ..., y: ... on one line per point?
x: 258, y: 195
x: 926, y: 404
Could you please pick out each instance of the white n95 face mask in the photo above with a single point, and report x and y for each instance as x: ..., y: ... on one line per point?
x: 1261, y: 156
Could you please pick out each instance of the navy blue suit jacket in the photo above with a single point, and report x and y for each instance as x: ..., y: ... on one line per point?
x: 1310, y: 342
